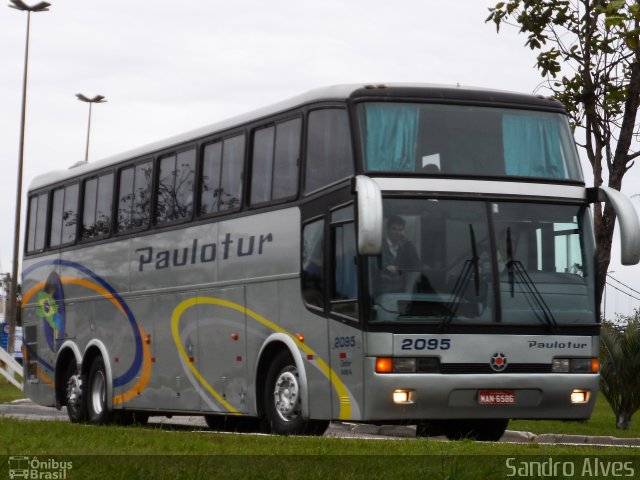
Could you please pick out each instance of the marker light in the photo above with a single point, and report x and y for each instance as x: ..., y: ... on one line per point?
x: 403, y: 396
x: 384, y: 365
x: 580, y: 396
x: 595, y: 365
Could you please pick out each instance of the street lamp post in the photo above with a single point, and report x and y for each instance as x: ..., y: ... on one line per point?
x: 12, y: 312
x: 90, y: 101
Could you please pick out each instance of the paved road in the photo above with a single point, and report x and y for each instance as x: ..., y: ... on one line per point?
x: 27, y: 410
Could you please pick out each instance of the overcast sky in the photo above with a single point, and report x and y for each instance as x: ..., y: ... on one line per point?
x: 169, y: 66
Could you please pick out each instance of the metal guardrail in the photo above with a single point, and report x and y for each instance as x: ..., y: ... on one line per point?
x: 9, y: 368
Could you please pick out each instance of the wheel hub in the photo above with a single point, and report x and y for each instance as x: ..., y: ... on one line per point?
x: 74, y: 391
x: 98, y: 392
x: 287, y: 395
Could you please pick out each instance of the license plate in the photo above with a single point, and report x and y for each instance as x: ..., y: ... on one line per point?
x: 496, y: 397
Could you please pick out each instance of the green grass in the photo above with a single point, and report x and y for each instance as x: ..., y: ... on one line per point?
x: 119, y: 452
x: 601, y: 424
x: 9, y: 393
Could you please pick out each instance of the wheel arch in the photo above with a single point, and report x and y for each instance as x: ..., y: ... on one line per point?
x: 273, y: 345
x: 96, y: 348
x: 68, y: 352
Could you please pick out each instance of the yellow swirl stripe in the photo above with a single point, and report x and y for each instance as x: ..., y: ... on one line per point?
x: 341, y: 389
x: 175, y: 320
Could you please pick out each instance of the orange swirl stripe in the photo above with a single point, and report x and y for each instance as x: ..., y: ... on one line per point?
x: 143, y: 379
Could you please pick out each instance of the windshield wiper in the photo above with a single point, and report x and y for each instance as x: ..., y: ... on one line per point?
x: 517, y: 272
x: 469, y: 268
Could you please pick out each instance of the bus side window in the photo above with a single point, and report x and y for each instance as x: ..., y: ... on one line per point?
x: 329, y: 152
x: 96, y: 217
x: 344, y: 295
x: 221, y: 180
x: 37, y: 222
x: 174, y: 199
x: 134, y: 197
x: 274, y: 172
x: 313, y: 281
x: 64, y: 216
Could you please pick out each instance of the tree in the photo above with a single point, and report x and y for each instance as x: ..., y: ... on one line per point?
x: 589, y: 55
x: 620, y: 367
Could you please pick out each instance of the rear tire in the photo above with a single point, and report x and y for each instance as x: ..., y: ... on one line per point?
x: 98, y: 411
x: 75, y: 395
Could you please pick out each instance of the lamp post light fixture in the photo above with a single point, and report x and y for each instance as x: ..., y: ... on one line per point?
x: 11, y: 308
x: 90, y: 101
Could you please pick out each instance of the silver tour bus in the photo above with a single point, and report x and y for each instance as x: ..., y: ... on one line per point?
x: 410, y: 254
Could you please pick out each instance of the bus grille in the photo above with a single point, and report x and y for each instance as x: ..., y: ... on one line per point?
x: 461, y: 368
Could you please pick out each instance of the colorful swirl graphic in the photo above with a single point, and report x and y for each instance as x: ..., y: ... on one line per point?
x: 50, y: 300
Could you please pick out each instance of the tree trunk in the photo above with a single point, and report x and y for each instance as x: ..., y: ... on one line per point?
x: 623, y: 420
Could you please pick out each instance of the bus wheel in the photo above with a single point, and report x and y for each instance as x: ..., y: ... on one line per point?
x: 282, y: 397
x: 483, y: 430
x: 75, y: 396
x: 97, y: 410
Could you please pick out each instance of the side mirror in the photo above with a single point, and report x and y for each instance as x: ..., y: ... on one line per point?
x: 627, y: 221
x: 369, y: 216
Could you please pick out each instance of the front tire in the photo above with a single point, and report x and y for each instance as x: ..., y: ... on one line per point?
x: 98, y: 411
x: 282, y: 397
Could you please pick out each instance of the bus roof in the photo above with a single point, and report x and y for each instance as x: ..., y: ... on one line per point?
x: 335, y: 93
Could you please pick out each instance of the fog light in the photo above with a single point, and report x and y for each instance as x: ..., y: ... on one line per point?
x: 403, y: 396
x: 580, y: 396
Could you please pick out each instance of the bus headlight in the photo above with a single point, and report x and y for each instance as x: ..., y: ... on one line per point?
x: 404, y: 365
x: 407, y: 365
x: 575, y: 365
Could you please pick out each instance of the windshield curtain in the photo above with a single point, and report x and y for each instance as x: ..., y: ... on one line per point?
x: 443, y: 260
x: 467, y: 140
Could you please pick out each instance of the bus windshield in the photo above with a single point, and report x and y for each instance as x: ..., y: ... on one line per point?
x: 443, y: 260
x: 467, y: 140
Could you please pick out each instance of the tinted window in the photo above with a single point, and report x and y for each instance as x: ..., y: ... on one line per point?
x: 329, y: 153
x: 64, y: 215
x: 345, y: 280
x: 231, y: 178
x: 286, y: 159
x: 134, y: 197
x: 313, y: 263
x: 467, y: 140
x: 262, y: 165
x: 37, y: 222
x: 96, y: 217
x: 221, y: 183
x: 276, y: 153
x: 174, y: 200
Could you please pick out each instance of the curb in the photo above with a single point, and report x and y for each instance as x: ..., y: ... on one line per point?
x: 510, y: 436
